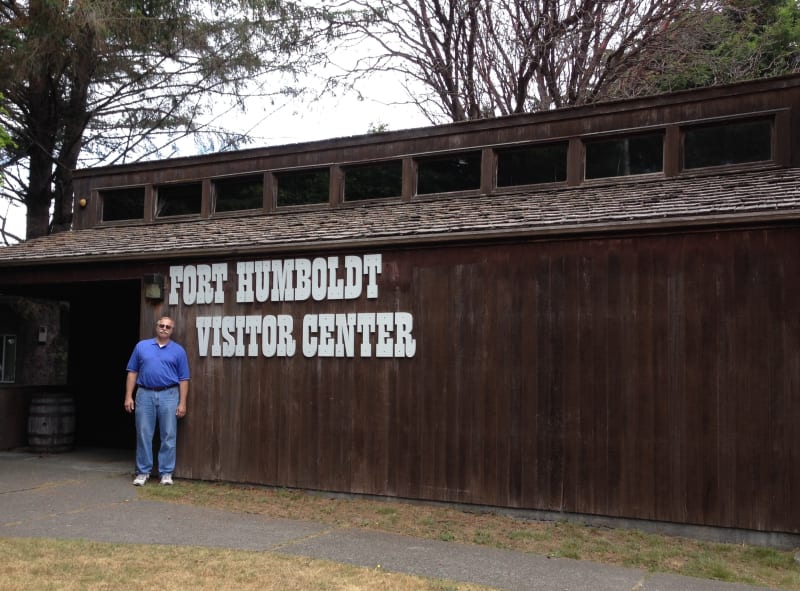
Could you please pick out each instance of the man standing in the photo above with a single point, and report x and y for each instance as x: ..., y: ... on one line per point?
x: 159, y: 372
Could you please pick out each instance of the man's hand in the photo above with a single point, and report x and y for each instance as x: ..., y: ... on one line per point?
x: 180, y: 412
x: 129, y: 406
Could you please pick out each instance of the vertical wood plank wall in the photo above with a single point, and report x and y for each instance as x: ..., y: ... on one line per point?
x: 653, y: 377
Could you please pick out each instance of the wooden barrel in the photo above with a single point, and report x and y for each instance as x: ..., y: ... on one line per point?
x: 51, y: 423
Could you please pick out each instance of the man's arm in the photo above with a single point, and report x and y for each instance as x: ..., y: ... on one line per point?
x: 130, y: 386
x: 183, y: 389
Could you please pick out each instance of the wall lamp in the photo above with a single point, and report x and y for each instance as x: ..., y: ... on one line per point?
x: 154, y: 287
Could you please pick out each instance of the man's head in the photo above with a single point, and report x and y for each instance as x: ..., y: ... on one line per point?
x: 164, y: 326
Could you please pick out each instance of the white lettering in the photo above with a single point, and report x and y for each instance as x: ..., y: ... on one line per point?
x: 216, y: 347
x: 219, y: 275
x: 203, y: 324
x: 175, y: 280
x: 286, y: 344
x: 319, y: 272
x: 238, y: 336
x: 353, y: 272
x: 205, y: 295
x: 340, y: 335
x: 262, y: 269
x: 366, y: 326
x: 326, y: 325
x: 335, y: 284
x: 228, y: 326
x: 189, y: 285
x: 345, y: 334
x: 245, y: 273
x: 282, y: 290
x: 310, y: 325
x: 302, y: 288
x: 269, y: 335
x: 384, y: 346
x: 333, y: 335
x: 373, y: 264
x: 405, y: 345
x: 252, y: 326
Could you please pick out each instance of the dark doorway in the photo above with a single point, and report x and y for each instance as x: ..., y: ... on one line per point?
x: 104, y: 327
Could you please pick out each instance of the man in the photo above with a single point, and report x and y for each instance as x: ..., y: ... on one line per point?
x: 159, y: 372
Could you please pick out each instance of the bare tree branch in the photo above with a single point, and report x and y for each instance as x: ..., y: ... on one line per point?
x: 470, y: 59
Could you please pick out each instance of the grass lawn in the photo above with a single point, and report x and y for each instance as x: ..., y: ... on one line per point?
x: 631, y: 548
x: 67, y: 565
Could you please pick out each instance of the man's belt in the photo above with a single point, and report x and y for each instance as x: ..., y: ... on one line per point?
x: 159, y: 388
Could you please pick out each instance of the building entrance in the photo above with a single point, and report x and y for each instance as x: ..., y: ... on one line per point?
x: 104, y: 327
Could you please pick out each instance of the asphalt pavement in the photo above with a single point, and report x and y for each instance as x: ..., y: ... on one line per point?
x: 88, y: 495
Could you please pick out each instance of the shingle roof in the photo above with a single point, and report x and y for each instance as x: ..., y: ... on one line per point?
x: 700, y: 199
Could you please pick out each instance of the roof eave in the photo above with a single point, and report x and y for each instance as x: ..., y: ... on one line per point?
x: 676, y: 224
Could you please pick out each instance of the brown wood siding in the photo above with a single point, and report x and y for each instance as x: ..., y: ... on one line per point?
x: 651, y: 377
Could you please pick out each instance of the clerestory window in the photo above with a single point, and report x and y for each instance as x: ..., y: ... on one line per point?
x: 122, y: 204
x: 732, y: 142
x: 179, y: 199
x: 624, y: 156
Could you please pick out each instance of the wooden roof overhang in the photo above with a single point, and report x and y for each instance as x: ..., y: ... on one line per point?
x: 747, y: 197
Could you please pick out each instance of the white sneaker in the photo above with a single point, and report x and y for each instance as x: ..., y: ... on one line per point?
x: 140, y: 479
x: 166, y: 479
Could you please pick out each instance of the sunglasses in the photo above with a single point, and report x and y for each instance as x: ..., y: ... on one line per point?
x: 167, y: 326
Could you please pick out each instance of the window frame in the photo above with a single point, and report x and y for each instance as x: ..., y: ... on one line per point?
x: 768, y: 117
x: 232, y: 179
x: 352, y: 166
x: 501, y: 149
x: 5, y: 339
x: 276, y: 180
x: 420, y: 159
x: 103, y: 193
x: 178, y: 216
x: 619, y: 136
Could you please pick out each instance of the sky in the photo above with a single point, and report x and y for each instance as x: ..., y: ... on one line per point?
x: 327, y: 118
x: 334, y: 117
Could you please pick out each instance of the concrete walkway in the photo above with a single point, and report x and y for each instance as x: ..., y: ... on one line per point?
x: 88, y: 495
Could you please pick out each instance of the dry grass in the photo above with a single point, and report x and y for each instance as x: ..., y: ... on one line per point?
x: 630, y: 548
x: 42, y: 565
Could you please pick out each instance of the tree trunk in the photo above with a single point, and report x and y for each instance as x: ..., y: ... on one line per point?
x: 38, y: 197
x: 41, y: 123
x: 39, y: 194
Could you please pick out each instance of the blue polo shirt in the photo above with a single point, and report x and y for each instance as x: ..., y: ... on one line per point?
x: 159, y: 366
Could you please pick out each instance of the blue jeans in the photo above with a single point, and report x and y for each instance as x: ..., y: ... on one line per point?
x: 156, y: 407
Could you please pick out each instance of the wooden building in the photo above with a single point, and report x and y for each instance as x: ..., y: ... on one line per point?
x: 592, y: 311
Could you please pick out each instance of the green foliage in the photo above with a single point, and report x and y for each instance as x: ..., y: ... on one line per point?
x: 764, y: 35
x: 746, y: 39
x: 107, y: 81
x: 5, y: 138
